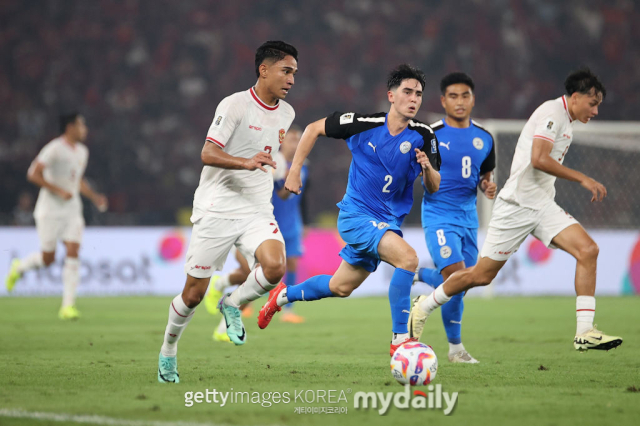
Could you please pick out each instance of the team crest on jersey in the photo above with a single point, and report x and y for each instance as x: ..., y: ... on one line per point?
x: 281, y: 135
x: 445, y: 252
x: 478, y: 143
x: 434, y: 146
x: 405, y: 147
x: 346, y: 118
x: 219, y: 120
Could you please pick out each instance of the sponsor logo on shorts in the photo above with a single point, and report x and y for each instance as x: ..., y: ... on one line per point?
x: 204, y: 268
x: 379, y: 225
x: 405, y: 147
x: 505, y: 252
x: 445, y: 252
x: 478, y: 143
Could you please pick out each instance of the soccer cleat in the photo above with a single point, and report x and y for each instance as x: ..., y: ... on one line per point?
x: 463, y: 357
x: 213, y: 296
x: 417, y: 318
x: 13, y: 276
x: 393, y: 348
x: 68, y: 313
x: 292, y: 318
x: 221, y: 337
x: 232, y: 316
x: 168, y: 369
x: 271, y: 307
x: 596, y: 339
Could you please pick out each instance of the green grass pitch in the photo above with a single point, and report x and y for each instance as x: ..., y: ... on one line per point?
x: 105, y: 364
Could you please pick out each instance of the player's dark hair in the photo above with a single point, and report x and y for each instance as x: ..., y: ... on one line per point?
x: 582, y: 81
x: 274, y: 50
x: 404, y: 72
x: 456, y: 78
x: 66, y: 119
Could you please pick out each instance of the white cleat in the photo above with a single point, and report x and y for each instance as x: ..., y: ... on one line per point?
x: 596, y: 339
x: 417, y: 318
x: 463, y: 357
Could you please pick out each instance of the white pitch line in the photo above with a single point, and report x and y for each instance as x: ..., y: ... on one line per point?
x: 92, y: 419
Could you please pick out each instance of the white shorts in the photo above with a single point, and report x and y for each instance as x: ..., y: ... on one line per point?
x: 51, y: 230
x: 510, y: 224
x: 212, y: 239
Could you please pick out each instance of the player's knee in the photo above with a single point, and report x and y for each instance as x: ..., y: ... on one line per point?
x: 481, y: 278
x: 48, y: 258
x: 274, y: 271
x: 342, y: 291
x: 588, y: 252
x: 192, y: 297
x: 409, y: 261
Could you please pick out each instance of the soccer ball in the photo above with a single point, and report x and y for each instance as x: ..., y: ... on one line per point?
x: 414, y: 364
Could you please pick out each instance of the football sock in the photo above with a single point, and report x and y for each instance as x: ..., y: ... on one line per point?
x: 33, y: 261
x: 222, y: 282
x: 455, y: 347
x: 400, y: 299
x: 399, y: 338
x: 179, y: 316
x: 222, y: 327
x: 289, y: 280
x: 314, y: 288
x: 430, y: 276
x: 452, y: 318
x: 70, y: 280
x: 433, y: 301
x: 253, y: 288
x: 585, y: 311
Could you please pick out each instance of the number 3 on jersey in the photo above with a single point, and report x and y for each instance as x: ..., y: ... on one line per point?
x: 388, y: 179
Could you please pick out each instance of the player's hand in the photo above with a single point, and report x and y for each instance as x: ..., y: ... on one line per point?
x: 598, y: 191
x: 64, y: 194
x: 259, y: 160
x: 422, y: 159
x: 293, y: 182
x: 489, y: 188
x: 101, y: 202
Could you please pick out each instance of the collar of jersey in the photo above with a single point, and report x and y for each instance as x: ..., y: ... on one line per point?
x: 444, y: 122
x: 262, y: 104
x: 566, y: 108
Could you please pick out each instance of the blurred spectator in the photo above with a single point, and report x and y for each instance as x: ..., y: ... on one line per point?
x: 23, y: 212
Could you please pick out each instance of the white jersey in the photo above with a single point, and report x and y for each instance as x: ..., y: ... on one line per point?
x: 64, y: 167
x: 529, y: 187
x: 243, y: 126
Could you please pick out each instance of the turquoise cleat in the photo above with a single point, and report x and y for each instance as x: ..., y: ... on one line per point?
x: 168, y: 369
x: 233, y: 318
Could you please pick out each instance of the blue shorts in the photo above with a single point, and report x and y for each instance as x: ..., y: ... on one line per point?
x: 449, y: 244
x: 293, y: 245
x: 362, y: 233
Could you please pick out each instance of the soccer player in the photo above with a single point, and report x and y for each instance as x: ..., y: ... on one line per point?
x: 526, y: 206
x: 449, y: 216
x: 389, y: 151
x: 232, y: 204
x: 59, y: 172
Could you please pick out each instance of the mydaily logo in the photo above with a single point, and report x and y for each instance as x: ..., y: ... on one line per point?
x: 382, y: 401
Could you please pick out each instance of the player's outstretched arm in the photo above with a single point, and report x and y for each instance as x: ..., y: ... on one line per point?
x: 307, y: 141
x: 35, y: 176
x: 213, y: 155
x: 541, y: 160
x: 430, y: 176
x: 99, y: 200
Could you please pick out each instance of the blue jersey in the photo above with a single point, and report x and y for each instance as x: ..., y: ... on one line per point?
x: 466, y: 155
x: 287, y: 212
x: 383, y: 167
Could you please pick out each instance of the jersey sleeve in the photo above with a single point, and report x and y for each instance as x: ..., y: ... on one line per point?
x: 341, y: 125
x: 432, y: 149
x: 227, y: 118
x: 47, y: 155
x: 548, y: 127
x: 489, y: 163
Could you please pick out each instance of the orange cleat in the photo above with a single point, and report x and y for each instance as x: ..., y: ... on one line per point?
x: 271, y: 307
x: 395, y: 347
x: 292, y: 318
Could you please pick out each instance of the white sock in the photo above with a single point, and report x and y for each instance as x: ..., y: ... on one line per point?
x: 585, y: 312
x: 70, y: 280
x: 222, y: 327
x: 399, y: 338
x: 179, y: 316
x: 433, y: 301
x: 253, y: 288
x: 222, y: 283
x: 455, y: 347
x: 33, y: 261
x: 282, y: 298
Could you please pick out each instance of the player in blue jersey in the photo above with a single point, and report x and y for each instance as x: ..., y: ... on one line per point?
x: 390, y: 150
x: 449, y: 216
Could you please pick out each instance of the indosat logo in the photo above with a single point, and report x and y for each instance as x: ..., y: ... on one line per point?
x: 171, y: 247
x: 631, y: 280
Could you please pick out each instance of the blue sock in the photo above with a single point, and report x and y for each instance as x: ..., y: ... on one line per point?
x: 430, y: 276
x: 400, y: 299
x: 452, y: 311
x: 289, y: 280
x: 314, y: 288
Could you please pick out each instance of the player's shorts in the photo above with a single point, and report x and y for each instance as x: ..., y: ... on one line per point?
x: 293, y: 244
x: 51, y: 230
x: 449, y: 244
x: 362, y: 233
x: 510, y: 224
x: 212, y: 239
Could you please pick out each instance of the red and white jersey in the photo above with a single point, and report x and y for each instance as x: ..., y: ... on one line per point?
x: 529, y: 187
x: 64, y: 167
x: 243, y: 126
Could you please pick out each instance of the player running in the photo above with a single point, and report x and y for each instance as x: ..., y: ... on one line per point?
x: 232, y: 204
x: 449, y: 216
x: 59, y: 172
x: 389, y: 151
x: 526, y: 206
